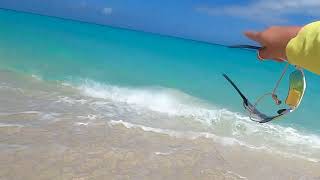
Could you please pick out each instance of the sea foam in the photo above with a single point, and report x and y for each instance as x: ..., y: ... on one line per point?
x: 221, y: 122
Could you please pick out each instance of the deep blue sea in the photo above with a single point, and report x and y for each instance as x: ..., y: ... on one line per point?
x: 163, y: 75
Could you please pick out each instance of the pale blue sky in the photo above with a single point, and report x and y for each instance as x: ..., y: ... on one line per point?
x: 217, y: 21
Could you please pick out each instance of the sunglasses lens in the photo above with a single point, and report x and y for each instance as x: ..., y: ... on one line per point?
x: 296, y: 88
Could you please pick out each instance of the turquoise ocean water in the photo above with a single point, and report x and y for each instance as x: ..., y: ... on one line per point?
x: 162, y: 74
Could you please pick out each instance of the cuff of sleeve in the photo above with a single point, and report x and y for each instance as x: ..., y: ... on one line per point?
x: 293, y: 48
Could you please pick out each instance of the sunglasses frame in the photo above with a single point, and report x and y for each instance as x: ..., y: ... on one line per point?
x: 262, y: 118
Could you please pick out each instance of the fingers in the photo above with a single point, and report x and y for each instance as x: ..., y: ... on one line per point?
x: 255, y: 36
x: 269, y: 51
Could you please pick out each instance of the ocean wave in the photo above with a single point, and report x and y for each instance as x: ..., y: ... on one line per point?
x: 164, y: 100
x: 220, y: 122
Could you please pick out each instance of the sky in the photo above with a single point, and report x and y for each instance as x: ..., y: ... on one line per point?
x: 215, y: 21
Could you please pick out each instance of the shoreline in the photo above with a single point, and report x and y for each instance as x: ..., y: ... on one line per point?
x: 67, y: 149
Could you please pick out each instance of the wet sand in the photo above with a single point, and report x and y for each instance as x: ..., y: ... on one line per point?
x: 98, y: 150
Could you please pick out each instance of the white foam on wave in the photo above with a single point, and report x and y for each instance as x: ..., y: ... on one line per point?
x: 196, y: 135
x: 162, y: 153
x: 236, y: 174
x: 234, y: 126
x: 154, y: 98
x: 177, y: 134
x: 72, y: 101
x: 10, y: 88
x: 89, y: 117
x: 19, y: 113
x: 36, y: 77
x: 169, y: 101
x: 82, y: 123
x: 3, y: 125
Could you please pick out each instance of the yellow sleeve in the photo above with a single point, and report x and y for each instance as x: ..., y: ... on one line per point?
x: 304, y: 49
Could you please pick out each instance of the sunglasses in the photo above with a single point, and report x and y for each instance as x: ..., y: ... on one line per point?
x: 297, y: 86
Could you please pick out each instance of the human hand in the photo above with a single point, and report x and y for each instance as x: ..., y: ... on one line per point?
x: 274, y: 41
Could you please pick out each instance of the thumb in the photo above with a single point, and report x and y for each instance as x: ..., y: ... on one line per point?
x: 264, y: 53
x: 267, y: 53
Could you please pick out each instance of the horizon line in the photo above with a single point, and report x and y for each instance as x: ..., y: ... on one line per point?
x: 112, y: 26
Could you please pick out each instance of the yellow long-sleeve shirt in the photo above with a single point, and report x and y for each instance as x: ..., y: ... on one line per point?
x: 304, y: 49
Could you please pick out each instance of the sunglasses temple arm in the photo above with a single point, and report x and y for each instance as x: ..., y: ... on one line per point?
x: 245, y: 47
x: 245, y: 100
